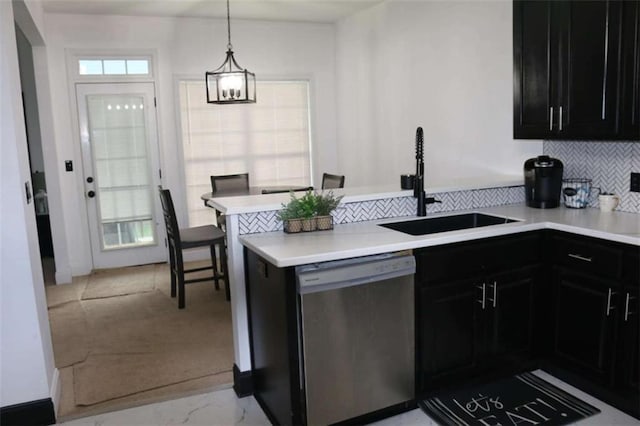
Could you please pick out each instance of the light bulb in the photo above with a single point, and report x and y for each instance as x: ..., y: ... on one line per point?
x: 231, y: 86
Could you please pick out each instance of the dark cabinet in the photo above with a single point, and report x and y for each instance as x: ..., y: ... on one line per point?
x: 585, y: 325
x: 596, y: 323
x: 568, y: 70
x: 510, y: 327
x: 476, y: 308
x: 450, y: 333
x: 630, y: 65
x: 627, y: 381
x: 273, y: 333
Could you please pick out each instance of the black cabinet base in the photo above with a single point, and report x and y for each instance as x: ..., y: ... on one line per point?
x: 242, y: 382
x: 40, y: 412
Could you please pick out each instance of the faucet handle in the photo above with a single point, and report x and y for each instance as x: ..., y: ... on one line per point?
x: 431, y: 200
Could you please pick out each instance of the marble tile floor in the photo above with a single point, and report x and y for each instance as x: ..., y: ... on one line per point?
x: 223, y: 408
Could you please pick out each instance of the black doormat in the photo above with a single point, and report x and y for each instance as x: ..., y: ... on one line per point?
x: 520, y: 400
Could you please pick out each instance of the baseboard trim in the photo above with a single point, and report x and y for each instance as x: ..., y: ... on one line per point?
x: 242, y: 382
x: 40, y: 412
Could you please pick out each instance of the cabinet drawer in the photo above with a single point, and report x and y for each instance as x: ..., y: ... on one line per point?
x: 500, y: 254
x: 585, y: 255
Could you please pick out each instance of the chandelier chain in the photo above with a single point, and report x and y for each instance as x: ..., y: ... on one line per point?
x: 229, y: 46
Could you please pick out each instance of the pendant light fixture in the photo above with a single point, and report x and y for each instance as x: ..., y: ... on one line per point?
x: 230, y: 83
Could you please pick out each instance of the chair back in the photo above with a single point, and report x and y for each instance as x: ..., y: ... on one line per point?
x: 170, y: 220
x: 330, y: 181
x: 238, y: 183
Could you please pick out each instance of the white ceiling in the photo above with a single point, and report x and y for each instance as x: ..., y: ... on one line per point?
x: 273, y: 10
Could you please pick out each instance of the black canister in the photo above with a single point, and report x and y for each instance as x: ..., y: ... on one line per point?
x: 407, y: 181
x: 543, y: 182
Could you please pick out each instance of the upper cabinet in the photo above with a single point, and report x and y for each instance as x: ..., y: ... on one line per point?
x: 630, y: 61
x: 575, y: 69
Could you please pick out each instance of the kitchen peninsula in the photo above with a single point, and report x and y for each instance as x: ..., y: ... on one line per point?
x: 554, y: 289
x: 251, y: 221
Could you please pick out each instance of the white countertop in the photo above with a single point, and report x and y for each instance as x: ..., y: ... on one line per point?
x: 366, y: 238
x: 267, y: 202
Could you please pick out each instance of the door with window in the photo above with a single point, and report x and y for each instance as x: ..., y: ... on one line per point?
x: 118, y: 135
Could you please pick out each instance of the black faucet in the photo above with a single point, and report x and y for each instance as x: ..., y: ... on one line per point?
x: 418, y: 188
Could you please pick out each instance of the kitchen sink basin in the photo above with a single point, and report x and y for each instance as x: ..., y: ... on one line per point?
x: 434, y: 225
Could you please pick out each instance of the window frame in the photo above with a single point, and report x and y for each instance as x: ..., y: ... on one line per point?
x: 75, y: 56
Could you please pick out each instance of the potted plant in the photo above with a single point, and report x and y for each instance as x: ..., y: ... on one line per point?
x: 310, y: 212
x: 326, y: 203
x: 291, y: 215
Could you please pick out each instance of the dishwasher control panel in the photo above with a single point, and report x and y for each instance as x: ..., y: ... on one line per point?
x: 346, y: 273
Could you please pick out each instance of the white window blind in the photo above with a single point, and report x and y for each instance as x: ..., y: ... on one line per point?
x: 120, y: 162
x: 270, y: 139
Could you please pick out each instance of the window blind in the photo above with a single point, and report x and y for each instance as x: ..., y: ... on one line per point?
x: 270, y: 139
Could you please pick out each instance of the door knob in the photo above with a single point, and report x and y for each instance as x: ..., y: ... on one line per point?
x: 90, y: 179
x: 91, y: 194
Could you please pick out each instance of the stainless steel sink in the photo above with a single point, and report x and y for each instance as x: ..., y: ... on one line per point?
x: 434, y: 225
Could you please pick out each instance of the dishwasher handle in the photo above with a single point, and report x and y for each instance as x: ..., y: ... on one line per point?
x: 327, y: 278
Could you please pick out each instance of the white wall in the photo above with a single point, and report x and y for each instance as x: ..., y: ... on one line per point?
x: 184, y: 47
x: 443, y: 65
x: 26, y: 355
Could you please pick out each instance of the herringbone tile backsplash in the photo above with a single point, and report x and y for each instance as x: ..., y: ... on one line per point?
x: 607, y: 164
x: 251, y: 223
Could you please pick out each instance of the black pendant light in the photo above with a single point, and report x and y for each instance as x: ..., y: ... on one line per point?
x: 230, y: 83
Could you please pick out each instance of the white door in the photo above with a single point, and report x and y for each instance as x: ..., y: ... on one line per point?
x: 120, y: 158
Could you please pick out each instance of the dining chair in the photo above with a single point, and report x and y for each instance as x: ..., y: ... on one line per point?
x: 187, y: 238
x: 230, y: 183
x: 235, y: 184
x: 330, y: 181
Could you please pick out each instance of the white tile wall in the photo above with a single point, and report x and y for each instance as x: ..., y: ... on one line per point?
x: 607, y: 164
x: 251, y: 223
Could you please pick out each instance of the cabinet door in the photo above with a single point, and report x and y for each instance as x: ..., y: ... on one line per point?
x: 567, y: 69
x: 450, y: 324
x: 589, y: 66
x: 533, y: 33
x: 630, y: 87
x: 629, y: 369
x: 510, y: 300
x: 585, y: 317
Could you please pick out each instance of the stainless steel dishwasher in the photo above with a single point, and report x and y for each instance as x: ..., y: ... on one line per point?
x: 357, y: 335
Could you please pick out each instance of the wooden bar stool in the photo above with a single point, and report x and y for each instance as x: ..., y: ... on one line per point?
x: 187, y: 238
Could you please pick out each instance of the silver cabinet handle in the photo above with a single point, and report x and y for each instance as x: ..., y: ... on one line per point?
x: 609, y: 307
x: 550, y: 118
x: 577, y: 256
x: 494, y: 301
x: 560, y: 118
x: 627, y: 312
x: 483, y: 287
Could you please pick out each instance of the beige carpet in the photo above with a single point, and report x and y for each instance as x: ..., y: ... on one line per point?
x: 118, y: 340
x: 118, y: 282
